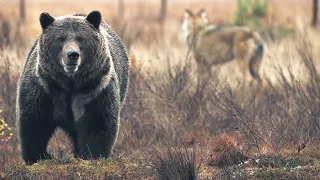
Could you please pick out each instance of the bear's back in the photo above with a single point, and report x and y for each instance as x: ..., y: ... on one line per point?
x: 120, y: 59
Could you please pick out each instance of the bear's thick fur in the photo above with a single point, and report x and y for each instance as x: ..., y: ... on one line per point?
x: 75, y: 78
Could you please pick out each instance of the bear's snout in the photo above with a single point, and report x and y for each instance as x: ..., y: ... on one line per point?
x: 71, y: 57
x: 73, y: 61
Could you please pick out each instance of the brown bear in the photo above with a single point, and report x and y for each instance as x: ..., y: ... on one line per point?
x: 75, y: 78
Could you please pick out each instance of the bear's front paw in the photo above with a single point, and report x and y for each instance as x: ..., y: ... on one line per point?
x: 43, y: 156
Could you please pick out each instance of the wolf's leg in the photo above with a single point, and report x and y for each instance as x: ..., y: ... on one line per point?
x: 255, y: 62
x: 202, y: 67
x: 243, y: 53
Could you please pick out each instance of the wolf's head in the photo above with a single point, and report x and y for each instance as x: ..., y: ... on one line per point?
x: 194, y: 22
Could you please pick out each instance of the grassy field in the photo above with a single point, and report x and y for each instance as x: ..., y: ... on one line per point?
x: 176, y: 124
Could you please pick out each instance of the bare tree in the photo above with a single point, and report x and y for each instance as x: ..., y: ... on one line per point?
x: 22, y: 10
x: 315, y: 13
x: 163, y: 10
x: 120, y: 9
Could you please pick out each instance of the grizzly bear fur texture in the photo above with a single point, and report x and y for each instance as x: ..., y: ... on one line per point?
x: 75, y: 78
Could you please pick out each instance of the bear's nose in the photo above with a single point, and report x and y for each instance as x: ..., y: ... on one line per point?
x: 73, y: 55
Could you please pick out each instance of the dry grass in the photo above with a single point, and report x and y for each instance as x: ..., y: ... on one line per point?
x: 169, y: 105
x: 178, y: 163
x: 69, y: 168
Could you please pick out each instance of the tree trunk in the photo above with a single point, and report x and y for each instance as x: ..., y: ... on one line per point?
x: 22, y: 11
x: 120, y: 9
x: 163, y: 10
x: 315, y: 13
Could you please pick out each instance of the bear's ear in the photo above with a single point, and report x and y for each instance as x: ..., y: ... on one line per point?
x: 94, y: 18
x: 45, y: 20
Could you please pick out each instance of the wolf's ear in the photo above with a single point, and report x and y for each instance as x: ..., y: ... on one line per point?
x: 187, y: 13
x: 94, y: 18
x: 202, y: 13
x: 46, y: 20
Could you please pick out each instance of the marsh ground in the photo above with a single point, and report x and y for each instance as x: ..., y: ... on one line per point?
x: 217, y: 126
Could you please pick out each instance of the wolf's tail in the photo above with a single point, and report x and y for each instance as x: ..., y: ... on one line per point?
x: 257, y: 56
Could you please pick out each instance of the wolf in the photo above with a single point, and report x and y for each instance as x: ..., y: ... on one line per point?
x: 212, y: 45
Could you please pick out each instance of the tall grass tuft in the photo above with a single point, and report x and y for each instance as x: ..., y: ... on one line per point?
x: 177, y: 163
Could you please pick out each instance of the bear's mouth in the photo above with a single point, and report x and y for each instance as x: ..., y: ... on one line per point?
x: 71, y: 68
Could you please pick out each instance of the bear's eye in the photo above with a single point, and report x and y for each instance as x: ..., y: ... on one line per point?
x: 61, y: 38
x: 80, y: 39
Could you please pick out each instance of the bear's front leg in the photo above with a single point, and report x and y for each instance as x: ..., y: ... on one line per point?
x: 35, y: 127
x: 98, y: 127
x: 97, y: 144
x: 34, y: 140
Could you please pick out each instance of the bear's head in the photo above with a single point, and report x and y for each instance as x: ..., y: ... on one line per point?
x: 72, y: 44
